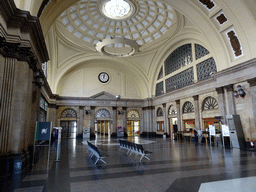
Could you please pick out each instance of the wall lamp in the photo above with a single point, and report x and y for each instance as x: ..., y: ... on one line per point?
x: 240, y: 92
x: 38, y: 79
x: 87, y: 112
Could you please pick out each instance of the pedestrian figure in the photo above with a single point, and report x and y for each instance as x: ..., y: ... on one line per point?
x: 199, y: 134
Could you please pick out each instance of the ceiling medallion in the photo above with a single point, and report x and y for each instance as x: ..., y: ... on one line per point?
x: 133, y: 47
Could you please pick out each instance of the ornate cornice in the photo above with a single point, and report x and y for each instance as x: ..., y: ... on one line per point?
x: 23, y: 20
x: 220, y: 90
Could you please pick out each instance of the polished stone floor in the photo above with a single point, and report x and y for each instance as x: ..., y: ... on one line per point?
x: 175, y: 166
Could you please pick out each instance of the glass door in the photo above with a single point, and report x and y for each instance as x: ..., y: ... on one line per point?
x: 69, y: 129
x: 133, y: 128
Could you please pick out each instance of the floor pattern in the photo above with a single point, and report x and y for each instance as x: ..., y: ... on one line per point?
x: 173, y: 166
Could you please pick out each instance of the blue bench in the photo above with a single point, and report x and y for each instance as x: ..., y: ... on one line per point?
x: 94, y: 151
x: 133, y: 148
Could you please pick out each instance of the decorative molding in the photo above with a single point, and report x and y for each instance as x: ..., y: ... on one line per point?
x: 208, y: 3
x: 229, y: 87
x: 221, y: 18
x: 196, y: 97
x: 220, y: 90
x: 234, y: 41
x: 252, y: 82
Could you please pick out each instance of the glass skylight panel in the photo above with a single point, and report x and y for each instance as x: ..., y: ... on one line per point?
x: 107, y: 37
x: 147, y: 39
x: 102, y: 28
x: 151, y: 29
x: 156, y: 23
x: 84, y: 0
x: 143, y: 32
x: 123, y: 23
x: 101, y: 19
x: 94, y: 12
x: 143, y: 10
x: 90, y: 22
x: 95, y: 41
x: 135, y: 35
x: 110, y: 30
x: 74, y: 15
x: 82, y: 12
x: 169, y: 7
x: 91, y: 32
x: 144, y: 23
x: 139, y: 42
x: 112, y: 23
x: 72, y: 8
x: 163, y: 29
x: 88, y: 39
x: 139, y: 26
x: 97, y: 16
x: 149, y: 18
x: 129, y: 22
x: 141, y: 14
x: 160, y: 10
x: 170, y: 15
x: 150, y: 2
x: 127, y: 36
x: 65, y: 21
x: 134, y: 20
x: 159, y: 4
x: 85, y: 17
x: 151, y: 13
x: 141, y: 2
x: 78, y: 22
x: 82, y: 6
x: 100, y: 35
x: 168, y: 23
x: 125, y: 30
x: 83, y: 27
x: 63, y: 14
x: 156, y: 35
x: 152, y: 8
x: 160, y: 18
x: 132, y: 28
x: 138, y: 17
x: 70, y: 28
x: 92, y: 8
x: 96, y: 25
x: 78, y: 34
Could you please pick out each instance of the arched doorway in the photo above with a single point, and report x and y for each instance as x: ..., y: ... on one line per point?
x: 133, y: 123
x: 103, y: 118
x: 69, y: 123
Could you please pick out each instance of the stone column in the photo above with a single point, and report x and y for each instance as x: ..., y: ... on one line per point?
x: 124, y: 118
x: 179, y: 115
x: 80, y: 122
x: 92, y: 122
x: 230, y: 100
x: 114, y: 130
x: 252, y: 83
x: 154, y: 127
x: 221, y: 103
x: 197, y: 112
x: 51, y: 115
x: 165, y: 118
x: 143, y: 128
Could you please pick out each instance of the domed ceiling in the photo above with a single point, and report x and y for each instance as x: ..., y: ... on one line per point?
x: 144, y: 22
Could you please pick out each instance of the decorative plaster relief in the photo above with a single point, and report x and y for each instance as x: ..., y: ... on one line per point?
x: 221, y: 18
x: 235, y: 44
x: 208, y: 3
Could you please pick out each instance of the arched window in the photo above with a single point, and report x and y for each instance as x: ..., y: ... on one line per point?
x: 133, y: 114
x: 103, y: 113
x: 210, y: 103
x: 160, y: 112
x: 69, y: 113
x: 172, y: 110
x: 188, y: 107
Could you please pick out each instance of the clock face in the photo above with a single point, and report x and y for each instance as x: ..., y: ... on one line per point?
x: 103, y: 77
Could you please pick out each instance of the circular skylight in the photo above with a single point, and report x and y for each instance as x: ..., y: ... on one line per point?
x: 116, y: 8
x: 145, y: 22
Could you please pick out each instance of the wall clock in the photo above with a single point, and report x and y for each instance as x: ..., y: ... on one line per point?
x: 103, y: 77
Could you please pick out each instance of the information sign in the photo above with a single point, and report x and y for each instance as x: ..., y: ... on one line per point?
x: 43, y: 131
x: 212, y: 130
x: 225, y: 131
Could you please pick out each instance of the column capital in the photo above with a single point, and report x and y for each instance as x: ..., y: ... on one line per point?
x: 92, y: 107
x: 252, y: 82
x: 229, y: 87
x: 195, y: 97
x: 164, y: 104
x: 124, y: 108
x: 220, y: 90
x: 177, y: 102
x: 114, y: 108
x: 81, y: 107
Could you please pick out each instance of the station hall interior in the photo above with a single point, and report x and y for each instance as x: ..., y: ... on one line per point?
x: 151, y: 72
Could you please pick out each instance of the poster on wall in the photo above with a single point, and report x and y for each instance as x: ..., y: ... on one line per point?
x: 212, y: 130
x: 225, y: 131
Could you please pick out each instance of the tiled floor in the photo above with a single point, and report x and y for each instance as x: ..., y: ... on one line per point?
x: 173, y: 166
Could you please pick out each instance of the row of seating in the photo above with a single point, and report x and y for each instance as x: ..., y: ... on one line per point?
x: 133, y: 148
x: 94, y: 151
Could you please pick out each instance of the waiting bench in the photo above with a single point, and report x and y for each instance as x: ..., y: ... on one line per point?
x: 94, y: 151
x: 133, y: 148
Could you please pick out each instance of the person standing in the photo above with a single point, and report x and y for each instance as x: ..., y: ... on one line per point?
x: 199, y: 134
